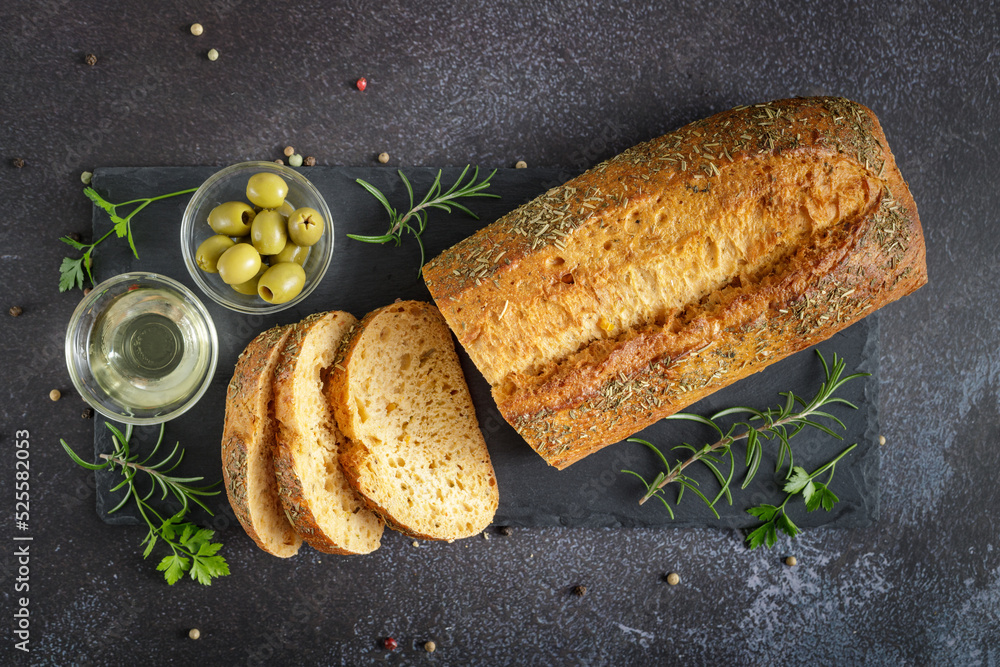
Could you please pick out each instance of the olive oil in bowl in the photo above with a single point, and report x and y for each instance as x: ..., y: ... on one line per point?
x: 144, y: 350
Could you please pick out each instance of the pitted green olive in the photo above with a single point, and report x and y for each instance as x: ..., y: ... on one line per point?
x: 239, y: 264
x: 231, y: 219
x: 291, y: 253
x: 286, y: 209
x: 269, y: 232
x: 250, y: 287
x: 208, y: 253
x: 305, y: 226
x: 267, y: 190
x: 282, y: 282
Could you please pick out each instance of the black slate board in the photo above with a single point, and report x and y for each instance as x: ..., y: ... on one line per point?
x: 592, y: 492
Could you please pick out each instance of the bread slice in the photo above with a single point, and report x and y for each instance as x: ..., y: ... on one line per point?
x: 415, y: 450
x: 248, y: 447
x: 321, y: 505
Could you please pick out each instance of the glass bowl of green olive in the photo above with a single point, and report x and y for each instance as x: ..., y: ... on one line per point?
x: 257, y: 237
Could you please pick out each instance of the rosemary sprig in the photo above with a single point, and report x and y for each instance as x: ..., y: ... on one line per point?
x: 782, y: 423
x: 71, y: 271
x: 191, y: 546
x: 815, y: 494
x: 414, y: 220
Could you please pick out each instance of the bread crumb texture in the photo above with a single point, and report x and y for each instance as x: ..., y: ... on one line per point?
x: 680, y: 266
x: 321, y: 504
x: 415, y: 450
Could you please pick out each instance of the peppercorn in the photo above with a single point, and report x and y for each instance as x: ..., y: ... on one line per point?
x: 55, y: 395
x: 279, y: 161
x: 506, y: 531
x: 86, y: 291
x: 194, y: 633
x: 521, y: 164
x: 91, y: 59
x: 88, y: 413
x: 86, y: 177
x: 673, y: 578
x: 213, y: 54
x: 295, y: 160
x: 309, y: 161
x: 362, y: 83
x: 791, y: 561
x: 430, y: 647
x: 390, y: 643
x: 881, y: 440
x: 15, y: 311
x: 579, y: 591
x: 197, y: 29
x: 18, y: 163
x: 383, y: 157
x: 289, y: 151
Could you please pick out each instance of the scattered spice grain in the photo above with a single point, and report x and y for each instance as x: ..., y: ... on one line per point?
x: 361, y: 83
x: 86, y: 177
x: 295, y: 160
x: 197, y: 29
x: 521, y: 164
x: 18, y: 163
x: 506, y: 531
x: 390, y: 643
x: 91, y: 59
x: 88, y: 413
x: 430, y: 647
x: 791, y: 561
x: 279, y: 161
x: 55, y: 395
x: 15, y: 311
x: 673, y: 578
x: 310, y: 161
x: 289, y: 151
x: 579, y: 591
x: 213, y: 54
x: 194, y: 633
x: 383, y: 157
x: 881, y: 440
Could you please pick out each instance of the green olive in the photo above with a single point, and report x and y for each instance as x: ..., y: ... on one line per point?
x: 282, y: 282
x: 208, y: 253
x: 232, y: 218
x: 269, y: 232
x: 267, y: 190
x: 286, y: 209
x: 250, y: 287
x: 305, y: 226
x: 239, y: 264
x: 291, y: 253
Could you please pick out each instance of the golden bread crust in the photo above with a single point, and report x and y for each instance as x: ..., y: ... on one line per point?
x: 680, y: 266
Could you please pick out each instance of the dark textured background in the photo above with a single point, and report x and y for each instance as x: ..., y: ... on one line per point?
x: 561, y: 85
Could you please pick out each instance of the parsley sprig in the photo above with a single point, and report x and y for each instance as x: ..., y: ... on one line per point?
x: 815, y: 494
x: 414, y: 220
x: 192, y: 549
x: 73, y: 271
x: 781, y: 424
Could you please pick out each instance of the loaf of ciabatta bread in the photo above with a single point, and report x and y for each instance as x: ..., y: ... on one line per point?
x: 414, y: 450
x: 320, y: 503
x: 248, y: 441
x: 680, y: 266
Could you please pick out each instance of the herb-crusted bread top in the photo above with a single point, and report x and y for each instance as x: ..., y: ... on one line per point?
x: 680, y: 266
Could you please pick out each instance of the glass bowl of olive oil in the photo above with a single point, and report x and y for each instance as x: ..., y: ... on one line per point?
x: 141, y: 348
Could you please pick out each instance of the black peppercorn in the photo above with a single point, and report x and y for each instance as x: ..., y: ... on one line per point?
x: 15, y: 311
x: 506, y: 531
x: 88, y: 413
x: 18, y: 163
x: 91, y: 59
x: 579, y: 591
x: 309, y: 161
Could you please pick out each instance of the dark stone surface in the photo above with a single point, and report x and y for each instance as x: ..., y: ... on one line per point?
x: 590, y: 493
x: 563, y: 86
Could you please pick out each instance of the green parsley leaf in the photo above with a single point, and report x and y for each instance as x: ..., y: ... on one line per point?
x: 173, y: 567
x: 70, y: 273
x: 787, y: 526
x: 797, y: 481
x: 823, y: 497
x: 763, y: 512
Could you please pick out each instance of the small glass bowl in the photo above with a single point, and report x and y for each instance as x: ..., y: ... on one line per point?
x: 230, y: 184
x: 154, y: 319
